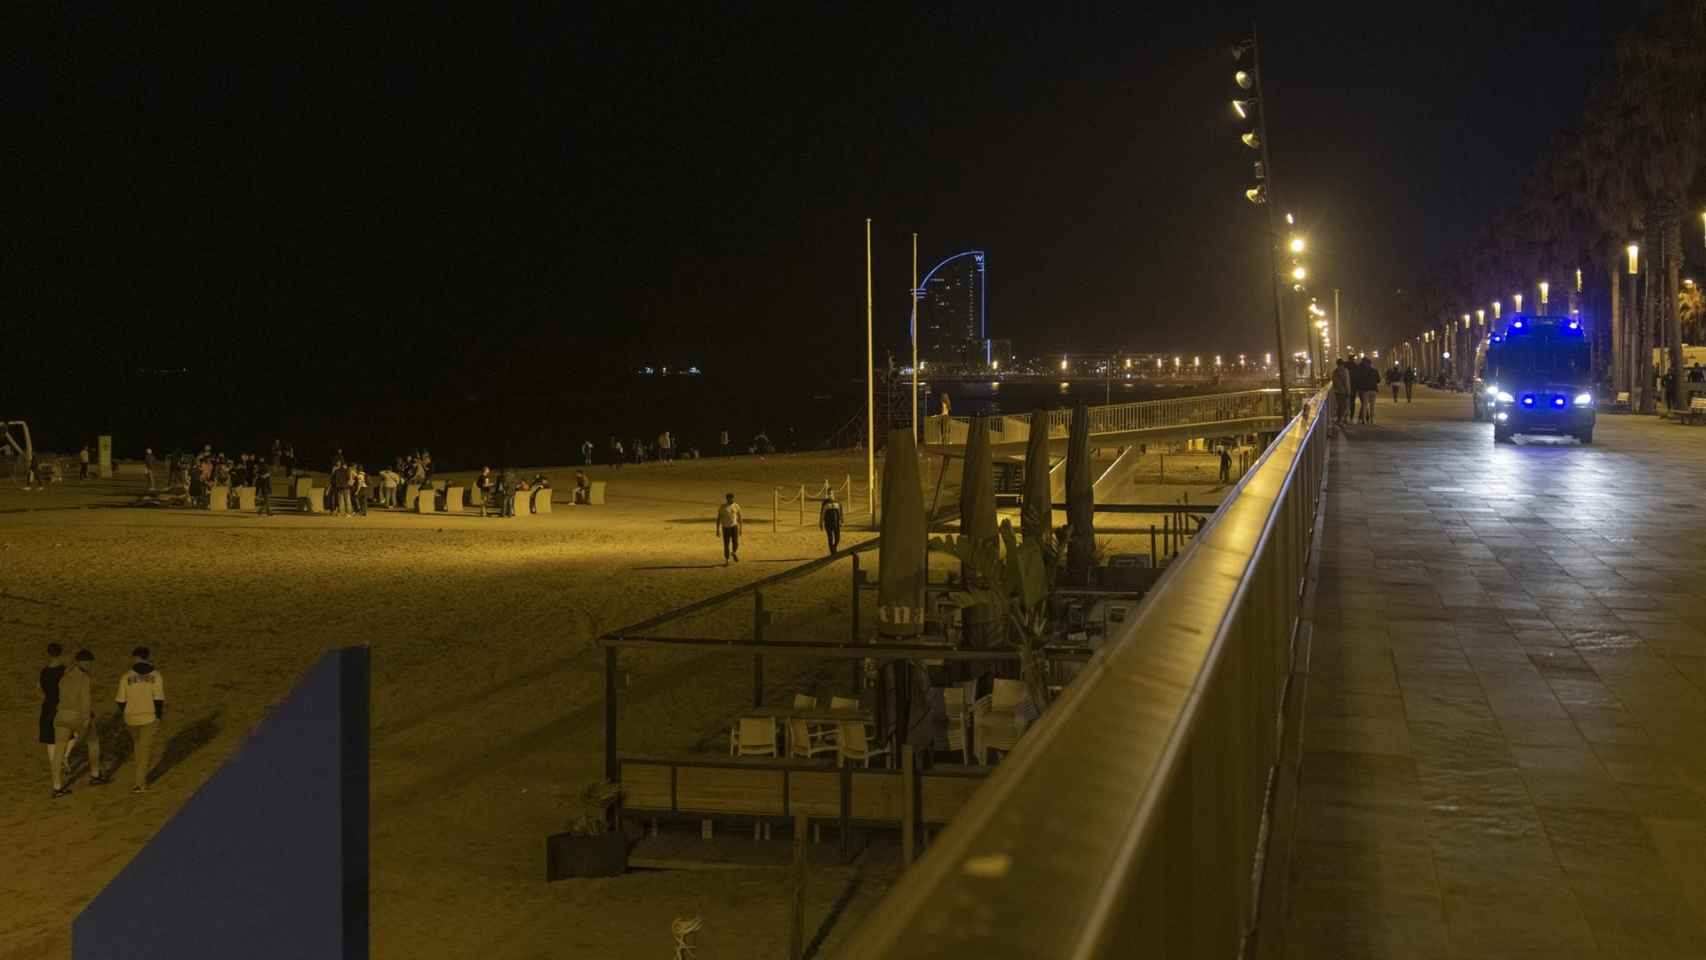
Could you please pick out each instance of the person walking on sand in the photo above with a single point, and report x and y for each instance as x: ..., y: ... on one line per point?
x: 148, y: 465
x: 50, y: 677
x: 83, y: 463
x: 1225, y: 467
x: 263, y: 488
x: 723, y: 439
x: 728, y: 526
x: 76, y: 718
x: 586, y: 452
x: 829, y: 521
x: 142, y: 705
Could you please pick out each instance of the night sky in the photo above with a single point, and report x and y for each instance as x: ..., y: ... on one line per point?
x: 352, y: 208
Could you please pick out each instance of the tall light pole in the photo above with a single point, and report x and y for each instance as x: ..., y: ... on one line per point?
x: 914, y: 415
x: 1338, y: 325
x: 1263, y: 193
x: 870, y: 392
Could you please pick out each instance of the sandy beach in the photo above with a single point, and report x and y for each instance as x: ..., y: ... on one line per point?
x: 237, y: 606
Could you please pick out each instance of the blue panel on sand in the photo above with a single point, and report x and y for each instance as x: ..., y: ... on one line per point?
x: 269, y: 858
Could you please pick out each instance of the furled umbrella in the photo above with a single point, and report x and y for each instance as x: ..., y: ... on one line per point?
x: 900, y: 554
x: 977, y: 494
x: 1080, y: 500
x: 1036, y: 519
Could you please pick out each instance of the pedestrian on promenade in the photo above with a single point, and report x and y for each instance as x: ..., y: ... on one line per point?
x: 1342, y: 397
x: 586, y: 452
x: 263, y: 488
x: 1665, y: 384
x: 506, y: 492
x: 728, y: 526
x: 1409, y: 385
x: 1696, y: 373
x: 1366, y: 380
x: 829, y: 521
x: 142, y: 705
x: 76, y: 718
x: 1394, y: 377
x: 1225, y: 466
x: 340, y: 490
x: 83, y: 463
x: 723, y: 438
x: 148, y: 465
x: 616, y: 452
x: 50, y: 676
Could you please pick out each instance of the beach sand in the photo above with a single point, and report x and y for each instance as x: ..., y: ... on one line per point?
x: 466, y: 786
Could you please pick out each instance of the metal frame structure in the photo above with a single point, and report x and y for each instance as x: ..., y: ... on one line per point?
x: 1133, y: 818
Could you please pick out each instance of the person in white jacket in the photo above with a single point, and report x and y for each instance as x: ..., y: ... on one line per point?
x: 142, y: 704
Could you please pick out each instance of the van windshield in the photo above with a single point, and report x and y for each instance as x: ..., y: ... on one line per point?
x: 1544, y: 358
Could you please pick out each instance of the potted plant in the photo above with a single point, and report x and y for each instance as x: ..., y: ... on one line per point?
x: 590, y: 848
x: 1014, y: 577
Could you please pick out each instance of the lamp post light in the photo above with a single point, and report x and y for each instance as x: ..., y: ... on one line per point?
x: 1545, y: 295
x: 1631, y: 338
x: 1518, y: 298
x: 1497, y: 306
x: 1262, y: 192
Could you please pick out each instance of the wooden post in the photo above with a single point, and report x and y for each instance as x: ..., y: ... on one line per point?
x: 858, y: 673
x: 775, y: 510
x: 908, y: 806
x: 797, y: 929
x: 802, y: 504
x: 758, y: 658
x: 611, y: 771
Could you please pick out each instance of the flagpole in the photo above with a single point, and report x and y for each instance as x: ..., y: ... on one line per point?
x: 915, y: 417
x: 870, y: 393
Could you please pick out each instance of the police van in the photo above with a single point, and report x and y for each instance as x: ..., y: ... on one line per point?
x: 1539, y: 380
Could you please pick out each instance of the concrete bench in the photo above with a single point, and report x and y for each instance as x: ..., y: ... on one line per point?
x: 411, y: 495
x: 312, y: 500
x: 595, y: 494
x: 1696, y: 412
x: 471, y: 496
x: 452, y: 499
x: 218, y: 498
x: 299, y: 486
x: 542, y: 500
x: 425, y: 501
x: 246, y: 499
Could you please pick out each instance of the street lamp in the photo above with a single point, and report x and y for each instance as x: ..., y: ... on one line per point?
x: 1480, y: 318
x: 1634, y: 251
x: 1299, y: 273
x: 1298, y: 244
x: 1063, y: 363
x: 1545, y: 294
x: 1518, y: 298
x: 1497, y: 305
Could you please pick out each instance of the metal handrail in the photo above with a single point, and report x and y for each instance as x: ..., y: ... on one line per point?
x: 1243, y: 405
x: 1130, y: 819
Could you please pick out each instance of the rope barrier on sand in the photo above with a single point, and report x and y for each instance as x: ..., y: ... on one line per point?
x: 777, y: 500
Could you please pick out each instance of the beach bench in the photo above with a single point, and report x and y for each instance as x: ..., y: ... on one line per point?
x: 411, y: 495
x: 299, y: 487
x: 471, y: 496
x: 424, y: 501
x: 312, y: 500
x: 1696, y: 412
x: 451, y: 499
x: 218, y: 499
x: 542, y: 500
x: 246, y: 499
x: 595, y: 493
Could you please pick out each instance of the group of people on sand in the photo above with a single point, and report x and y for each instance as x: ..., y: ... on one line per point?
x: 728, y: 525
x: 68, y: 715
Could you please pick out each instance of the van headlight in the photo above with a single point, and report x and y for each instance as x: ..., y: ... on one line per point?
x: 1492, y: 391
x: 1505, y: 397
x: 1584, y: 399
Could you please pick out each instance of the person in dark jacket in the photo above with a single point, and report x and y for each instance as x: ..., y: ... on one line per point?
x: 263, y: 488
x: 1409, y: 384
x: 50, y: 676
x: 1367, y: 382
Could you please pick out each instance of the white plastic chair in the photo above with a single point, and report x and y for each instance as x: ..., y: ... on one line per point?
x: 753, y: 737
x: 808, y: 743
x: 959, y: 721
x: 852, y: 745
x: 852, y: 703
x: 1001, y: 717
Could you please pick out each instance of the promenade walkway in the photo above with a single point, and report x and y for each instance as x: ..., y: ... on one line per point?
x: 1504, y: 748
